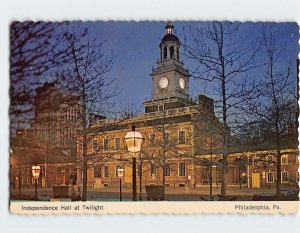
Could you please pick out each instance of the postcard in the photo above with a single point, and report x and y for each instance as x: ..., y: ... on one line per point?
x: 152, y: 117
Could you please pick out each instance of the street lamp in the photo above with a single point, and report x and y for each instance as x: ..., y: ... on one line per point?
x: 133, y: 141
x: 36, y: 170
x: 120, y: 173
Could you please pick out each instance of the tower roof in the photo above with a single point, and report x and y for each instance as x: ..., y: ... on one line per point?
x: 169, y: 37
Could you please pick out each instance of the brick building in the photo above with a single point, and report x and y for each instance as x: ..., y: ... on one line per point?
x: 181, y: 134
x: 182, y: 137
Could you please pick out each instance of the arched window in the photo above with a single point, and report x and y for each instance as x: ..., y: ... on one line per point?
x: 177, y: 50
x: 165, y: 52
x: 171, y: 52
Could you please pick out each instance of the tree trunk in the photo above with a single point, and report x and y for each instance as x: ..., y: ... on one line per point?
x: 84, y: 180
x: 225, y: 135
x: 278, y: 156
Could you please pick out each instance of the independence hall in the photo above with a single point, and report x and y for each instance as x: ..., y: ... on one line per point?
x: 182, y: 145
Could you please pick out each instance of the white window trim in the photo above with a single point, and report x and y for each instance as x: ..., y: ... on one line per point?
x: 184, y: 137
x: 97, y: 147
x: 267, y: 181
x: 116, y: 144
x: 287, y: 177
x: 150, y: 142
x: 267, y: 158
x: 286, y: 156
x: 155, y: 170
x: 104, y: 171
x: 184, y: 169
x: 104, y: 139
x: 169, y: 170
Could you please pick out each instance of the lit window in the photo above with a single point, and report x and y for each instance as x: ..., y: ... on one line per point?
x: 152, y: 139
x: 284, y: 159
x: 270, y: 177
x: 105, y: 171
x: 167, y: 169
x: 181, y: 169
x: 105, y: 144
x: 117, y: 143
x: 284, y: 177
x: 181, y: 137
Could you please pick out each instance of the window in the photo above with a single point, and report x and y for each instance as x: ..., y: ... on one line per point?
x: 95, y: 145
x: 181, y: 169
x: 105, y: 144
x: 297, y: 176
x: 171, y: 52
x: 167, y: 137
x: 28, y: 180
x: 105, y: 168
x: 284, y: 159
x: 152, y: 139
x: 181, y: 137
x: 152, y: 170
x: 255, y: 160
x: 160, y: 108
x: 284, y: 177
x: 269, y: 158
x: 270, y: 177
x: 167, y: 169
x: 97, y: 172
x: 165, y: 52
x: 117, y: 143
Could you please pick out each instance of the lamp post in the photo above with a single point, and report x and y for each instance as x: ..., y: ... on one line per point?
x: 243, y: 175
x: 133, y: 141
x: 120, y: 172
x: 36, y: 170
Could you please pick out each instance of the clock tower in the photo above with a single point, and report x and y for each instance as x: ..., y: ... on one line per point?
x: 170, y: 80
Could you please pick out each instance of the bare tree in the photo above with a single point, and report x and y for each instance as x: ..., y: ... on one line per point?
x: 33, y: 51
x: 84, y: 76
x: 222, y: 59
x: 274, y: 111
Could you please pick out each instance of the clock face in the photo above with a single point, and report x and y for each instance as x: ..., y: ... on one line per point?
x: 163, y: 82
x: 182, y: 83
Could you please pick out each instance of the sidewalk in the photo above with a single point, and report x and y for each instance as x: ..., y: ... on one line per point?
x: 171, y: 193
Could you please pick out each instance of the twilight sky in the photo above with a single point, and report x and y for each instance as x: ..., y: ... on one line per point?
x: 137, y: 46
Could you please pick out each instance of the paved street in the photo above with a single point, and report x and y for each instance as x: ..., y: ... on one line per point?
x: 171, y: 193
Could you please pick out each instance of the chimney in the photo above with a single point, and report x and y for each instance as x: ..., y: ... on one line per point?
x: 206, y: 103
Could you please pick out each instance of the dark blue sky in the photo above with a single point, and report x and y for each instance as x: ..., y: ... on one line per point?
x: 137, y: 46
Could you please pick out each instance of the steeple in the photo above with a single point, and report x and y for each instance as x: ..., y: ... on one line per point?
x: 169, y: 27
x: 169, y: 45
x: 170, y: 79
